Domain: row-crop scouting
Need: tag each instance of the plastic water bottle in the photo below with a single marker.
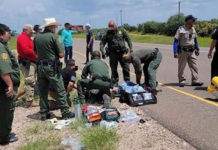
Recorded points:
(77, 109)
(107, 100)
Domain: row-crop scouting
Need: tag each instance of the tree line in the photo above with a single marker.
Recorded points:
(204, 28)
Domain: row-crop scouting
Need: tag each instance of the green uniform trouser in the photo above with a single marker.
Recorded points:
(150, 70)
(47, 77)
(7, 107)
(114, 59)
(103, 86)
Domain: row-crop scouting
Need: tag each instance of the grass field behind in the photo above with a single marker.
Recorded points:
(137, 37)
(155, 39)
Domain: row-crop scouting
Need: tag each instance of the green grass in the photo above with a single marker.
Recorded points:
(100, 138)
(80, 123)
(46, 143)
(38, 129)
(162, 39)
(154, 38)
(12, 43)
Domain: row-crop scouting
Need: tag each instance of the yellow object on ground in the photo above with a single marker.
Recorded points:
(215, 81)
(213, 90)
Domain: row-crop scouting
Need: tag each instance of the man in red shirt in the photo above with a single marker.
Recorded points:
(27, 60)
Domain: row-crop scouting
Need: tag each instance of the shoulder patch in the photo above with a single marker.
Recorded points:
(4, 56)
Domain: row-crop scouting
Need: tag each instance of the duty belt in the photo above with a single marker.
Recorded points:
(21, 61)
(103, 78)
(45, 62)
(188, 48)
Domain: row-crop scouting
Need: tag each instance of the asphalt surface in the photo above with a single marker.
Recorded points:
(190, 112)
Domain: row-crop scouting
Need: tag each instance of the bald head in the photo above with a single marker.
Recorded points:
(112, 25)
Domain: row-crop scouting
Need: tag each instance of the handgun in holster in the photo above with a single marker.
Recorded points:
(57, 66)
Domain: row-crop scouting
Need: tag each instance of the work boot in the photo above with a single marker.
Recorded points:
(28, 104)
(182, 83)
(45, 116)
(68, 116)
(12, 137)
(197, 83)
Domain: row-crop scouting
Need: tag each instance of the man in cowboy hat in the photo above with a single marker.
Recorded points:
(49, 50)
(151, 58)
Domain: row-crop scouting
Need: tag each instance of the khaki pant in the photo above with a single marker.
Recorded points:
(30, 81)
(183, 59)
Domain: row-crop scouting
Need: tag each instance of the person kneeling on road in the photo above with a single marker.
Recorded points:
(151, 58)
(69, 78)
(99, 77)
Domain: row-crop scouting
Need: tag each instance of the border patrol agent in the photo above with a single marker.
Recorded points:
(115, 39)
(9, 83)
(185, 44)
(151, 58)
(49, 50)
(98, 70)
(214, 44)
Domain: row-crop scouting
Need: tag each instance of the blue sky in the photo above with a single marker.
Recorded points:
(16, 13)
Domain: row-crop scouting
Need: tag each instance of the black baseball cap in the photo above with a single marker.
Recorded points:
(71, 62)
(36, 28)
(190, 17)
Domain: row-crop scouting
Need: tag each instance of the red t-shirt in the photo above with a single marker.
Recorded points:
(25, 47)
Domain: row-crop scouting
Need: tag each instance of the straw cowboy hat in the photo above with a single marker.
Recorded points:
(50, 22)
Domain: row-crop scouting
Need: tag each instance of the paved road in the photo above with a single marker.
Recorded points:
(189, 112)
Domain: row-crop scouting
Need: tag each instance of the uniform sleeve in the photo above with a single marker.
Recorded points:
(175, 46)
(103, 43)
(59, 45)
(137, 65)
(5, 63)
(85, 71)
(127, 39)
(215, 34)
(177, 34)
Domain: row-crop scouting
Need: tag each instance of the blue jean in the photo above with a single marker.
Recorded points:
(68, 53)
(89, 50)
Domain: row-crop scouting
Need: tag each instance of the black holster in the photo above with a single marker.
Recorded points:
(26, 63)
(57, 66)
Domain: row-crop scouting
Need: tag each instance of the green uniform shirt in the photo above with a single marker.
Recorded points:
(9, 64)
(95, 67)
(115, 40)
(141, 56)
(47, 46)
